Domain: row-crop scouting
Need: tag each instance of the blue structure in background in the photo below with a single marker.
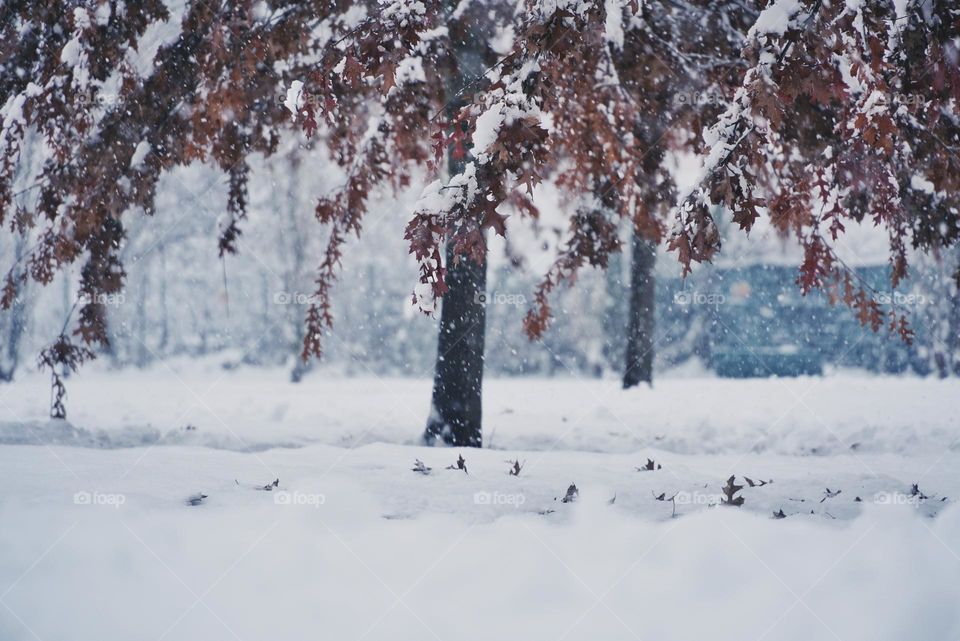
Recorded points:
(752, 321)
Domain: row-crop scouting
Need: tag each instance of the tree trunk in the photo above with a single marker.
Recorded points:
(15, 323)
(143, 358)
(293, 275)
(164, 312)
(953, 327)
(455, 410)
(614, 316)
(952, 352)
(640, 324)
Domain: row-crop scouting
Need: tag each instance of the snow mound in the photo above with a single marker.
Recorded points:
(354, 545)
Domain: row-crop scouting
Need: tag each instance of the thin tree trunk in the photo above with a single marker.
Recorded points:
(640, 324)
(614, 316)
(17, 319)
(141, 323)
(293, 275)
(953, 320)
(18, 316)
(164, 312)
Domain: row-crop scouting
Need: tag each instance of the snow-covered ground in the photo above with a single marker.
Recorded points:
(97, 540)
(252, 409)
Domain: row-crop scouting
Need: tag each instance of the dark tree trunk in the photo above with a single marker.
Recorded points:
(640, 324)
(455, 409)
